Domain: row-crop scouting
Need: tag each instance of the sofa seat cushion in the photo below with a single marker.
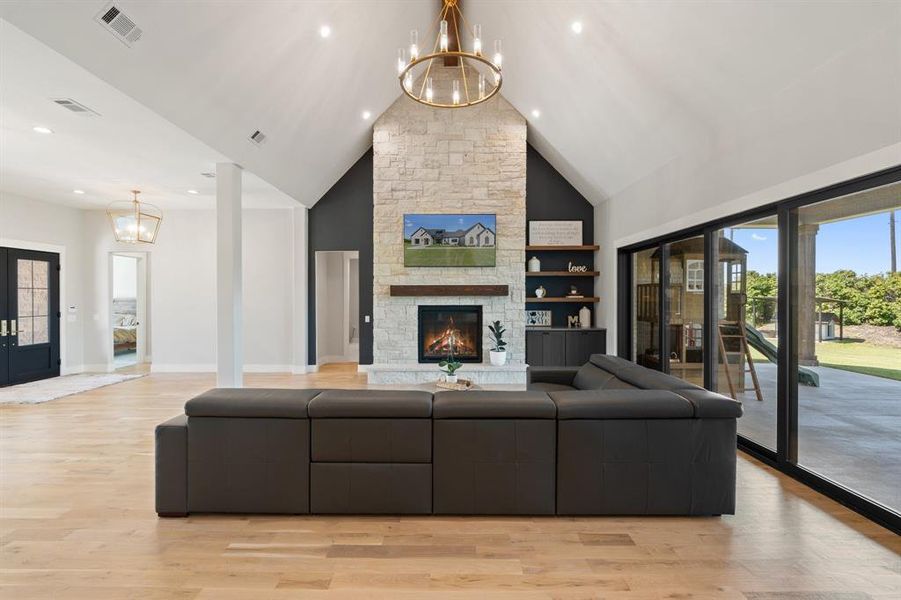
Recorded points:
(546, 386)
(251, 403)
(710, 405)
(621, 404)
(493, 405)
(387, 404)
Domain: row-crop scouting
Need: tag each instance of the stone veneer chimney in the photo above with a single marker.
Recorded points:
(429, 160)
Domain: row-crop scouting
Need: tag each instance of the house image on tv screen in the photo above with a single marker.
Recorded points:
(449, 240)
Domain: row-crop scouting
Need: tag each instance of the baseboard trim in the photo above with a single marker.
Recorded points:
(363, 368)
(211, 368)
(73, 370)
(102, 368)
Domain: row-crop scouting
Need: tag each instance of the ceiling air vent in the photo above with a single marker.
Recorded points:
(114, 20)
(76, 107)
(209, 175)
(258, 137)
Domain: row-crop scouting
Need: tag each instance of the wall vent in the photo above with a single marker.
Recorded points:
(209, 175)
(123, 28)
(258, 137)
(76, 107)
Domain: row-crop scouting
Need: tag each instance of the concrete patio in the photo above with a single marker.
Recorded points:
(849, 429)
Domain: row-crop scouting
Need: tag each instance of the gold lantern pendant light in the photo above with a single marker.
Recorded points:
(134, 222)
(476, 79)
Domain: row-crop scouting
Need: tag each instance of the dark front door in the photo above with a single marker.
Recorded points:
(29, 315)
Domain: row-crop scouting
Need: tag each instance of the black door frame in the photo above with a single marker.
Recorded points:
(785, 457)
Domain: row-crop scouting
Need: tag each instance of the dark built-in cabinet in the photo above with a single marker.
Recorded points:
(550, 347)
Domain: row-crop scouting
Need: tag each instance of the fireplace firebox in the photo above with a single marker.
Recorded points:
(444, 327)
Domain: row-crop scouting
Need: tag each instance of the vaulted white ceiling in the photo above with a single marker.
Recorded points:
(644, 83)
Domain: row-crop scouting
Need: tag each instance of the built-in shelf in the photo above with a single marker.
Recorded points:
(562, 273)
(585, 300)
(449, 290)
(562, 248)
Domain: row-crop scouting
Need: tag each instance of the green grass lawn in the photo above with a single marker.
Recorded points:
(861, 357)
(856, 356)
(448, 256)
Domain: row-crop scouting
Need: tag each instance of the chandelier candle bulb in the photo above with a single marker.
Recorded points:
(481, 86)
(456, 92)
(414, 45)
(498, 54)
(401, 60)
(443, 42)
(477, 40)
(429, 94)
(408, 81)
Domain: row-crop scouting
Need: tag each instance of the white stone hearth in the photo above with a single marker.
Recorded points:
(481, 374)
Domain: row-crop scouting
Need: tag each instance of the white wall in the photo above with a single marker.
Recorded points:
(125, 277)
(37, 224)
(330, 315)
(181, 279)
(838, 122)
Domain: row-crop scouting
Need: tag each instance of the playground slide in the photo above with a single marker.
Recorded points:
(765, 347)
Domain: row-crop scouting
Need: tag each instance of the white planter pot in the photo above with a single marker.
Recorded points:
(498, 359)
(450, 378)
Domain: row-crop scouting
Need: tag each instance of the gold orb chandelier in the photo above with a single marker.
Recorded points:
(134, 222)
(474, 78)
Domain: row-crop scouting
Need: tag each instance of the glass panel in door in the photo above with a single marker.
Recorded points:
(685, 314)
(849, 338)
(32, 295)
(745, 291)
(646, 308)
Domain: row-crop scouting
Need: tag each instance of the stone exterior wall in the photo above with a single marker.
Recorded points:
(427, 160)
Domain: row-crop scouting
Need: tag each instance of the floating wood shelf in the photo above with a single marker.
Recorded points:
(449, 290)
(562, 248)
(585, 300)
(562, 273)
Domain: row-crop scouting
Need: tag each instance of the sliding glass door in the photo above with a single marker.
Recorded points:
(795, 310)
(848, 294)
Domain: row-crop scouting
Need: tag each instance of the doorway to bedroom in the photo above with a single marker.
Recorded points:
(129, 315)
(337, 307)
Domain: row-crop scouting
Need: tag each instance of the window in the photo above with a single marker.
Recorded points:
(694, 276)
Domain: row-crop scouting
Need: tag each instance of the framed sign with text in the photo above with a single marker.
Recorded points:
(555, 233)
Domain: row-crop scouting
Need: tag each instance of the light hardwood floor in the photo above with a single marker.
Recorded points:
(77, 521)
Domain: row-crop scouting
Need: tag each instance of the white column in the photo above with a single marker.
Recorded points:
(229, 325)
(300, 290)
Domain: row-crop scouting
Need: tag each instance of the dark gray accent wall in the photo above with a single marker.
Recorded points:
(550, 197)
(342, 220)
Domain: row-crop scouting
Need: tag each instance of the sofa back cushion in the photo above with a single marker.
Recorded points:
(638, 376)
(253, 403)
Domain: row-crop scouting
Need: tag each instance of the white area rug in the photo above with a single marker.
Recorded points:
(57, 387)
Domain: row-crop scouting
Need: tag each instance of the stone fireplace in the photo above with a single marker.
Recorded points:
(439, 161)
(443, 329)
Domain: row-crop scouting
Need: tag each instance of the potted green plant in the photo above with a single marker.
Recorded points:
(498, 352)
(449, 365)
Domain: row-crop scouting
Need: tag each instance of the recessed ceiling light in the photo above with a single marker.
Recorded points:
(192, 191)
(576, 26)
(536, 113)
(42, 129)
(366, 115)
(325, 31)
(79, 192)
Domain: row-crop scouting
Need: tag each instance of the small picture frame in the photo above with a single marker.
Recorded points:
(538, 318)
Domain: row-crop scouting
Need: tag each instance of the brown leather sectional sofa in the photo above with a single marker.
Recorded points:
(609, 437)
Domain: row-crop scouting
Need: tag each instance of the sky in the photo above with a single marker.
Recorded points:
(450, 222)
(860, 244)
